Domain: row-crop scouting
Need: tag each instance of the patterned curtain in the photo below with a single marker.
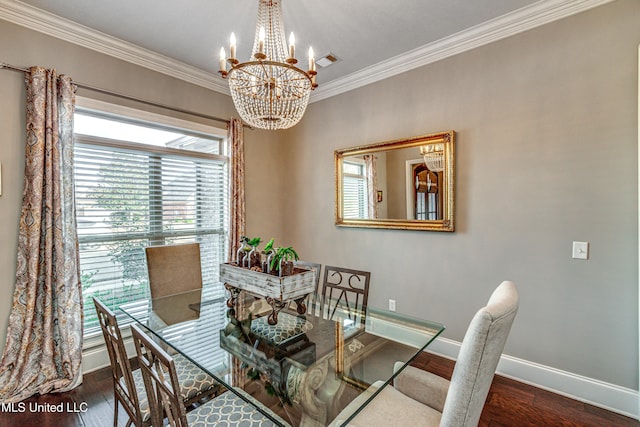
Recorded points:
(236, 143)
(43, 350)
(235, 138)
(372, 184)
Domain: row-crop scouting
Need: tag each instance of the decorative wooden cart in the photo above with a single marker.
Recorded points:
(277, 291)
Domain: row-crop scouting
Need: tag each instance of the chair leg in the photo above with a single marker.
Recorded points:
(115, 413)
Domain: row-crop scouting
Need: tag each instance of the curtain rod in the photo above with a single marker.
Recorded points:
(127, 97)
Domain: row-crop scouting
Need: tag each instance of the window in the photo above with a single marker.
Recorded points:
(140, 183)
(355, 193)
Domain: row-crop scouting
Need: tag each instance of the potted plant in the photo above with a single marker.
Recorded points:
(248, 256)
(281, 261)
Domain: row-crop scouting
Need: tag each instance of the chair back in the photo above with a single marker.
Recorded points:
(344, 289)
(160, 381)
(120, 366)
(173, 269)
(479, 354)
(312, 300)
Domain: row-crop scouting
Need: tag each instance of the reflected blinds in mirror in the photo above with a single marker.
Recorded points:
(355, 190)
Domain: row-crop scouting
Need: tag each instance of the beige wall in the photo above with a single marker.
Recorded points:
(547, 129)
(22, 47)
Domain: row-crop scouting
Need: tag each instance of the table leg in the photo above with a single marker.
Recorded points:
(319, 391)
(301, 307)
(231, 302)
(276, 306)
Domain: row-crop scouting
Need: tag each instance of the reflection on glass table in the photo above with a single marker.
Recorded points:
(306, 368)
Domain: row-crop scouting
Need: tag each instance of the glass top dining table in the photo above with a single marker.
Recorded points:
(306, 368)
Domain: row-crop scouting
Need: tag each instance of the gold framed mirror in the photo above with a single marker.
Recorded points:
(403, 184)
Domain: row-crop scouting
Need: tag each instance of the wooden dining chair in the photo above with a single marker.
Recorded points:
(173, 269)
(124, 385)
(346, 290)
(161, 383)
(128, 385)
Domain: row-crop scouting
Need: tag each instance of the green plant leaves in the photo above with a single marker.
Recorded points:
(284, 254)
(269, 245)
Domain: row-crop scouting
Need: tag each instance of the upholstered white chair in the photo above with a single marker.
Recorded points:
(422, 398)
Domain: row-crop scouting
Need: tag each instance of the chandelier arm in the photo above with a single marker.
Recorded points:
(264, 69)
(243, 70)
(301, 75)
(299, 79)
(243, 65)
(245, 75)
(290, 91)
(251, 90)
(288, 74)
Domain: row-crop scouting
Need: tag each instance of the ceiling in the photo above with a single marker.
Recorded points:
(373, 39)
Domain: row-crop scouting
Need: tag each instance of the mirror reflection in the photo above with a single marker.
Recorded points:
(404, 184)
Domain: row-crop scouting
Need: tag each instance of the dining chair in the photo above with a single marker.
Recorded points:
(346, 290)
(421, 398)
(161, 382)
(173, 269)
(128, 386)
(312, 300)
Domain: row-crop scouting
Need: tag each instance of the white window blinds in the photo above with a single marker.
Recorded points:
(355, 191)
(161, 189)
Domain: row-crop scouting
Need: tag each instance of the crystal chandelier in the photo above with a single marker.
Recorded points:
(269, 91)
(433, 156)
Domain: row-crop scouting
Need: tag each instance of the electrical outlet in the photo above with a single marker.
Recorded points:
(392, 305)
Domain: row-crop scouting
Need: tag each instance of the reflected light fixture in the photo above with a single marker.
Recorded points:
(269, 91)
(433, 156)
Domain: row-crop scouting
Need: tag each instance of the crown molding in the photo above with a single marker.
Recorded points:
(518, 21)
(526, 18)
(39, 20)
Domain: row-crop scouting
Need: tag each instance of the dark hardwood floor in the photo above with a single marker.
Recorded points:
(509, 404)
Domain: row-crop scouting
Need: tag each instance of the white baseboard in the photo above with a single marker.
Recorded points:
(94, 359)
(608, 396)
(95, 355)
